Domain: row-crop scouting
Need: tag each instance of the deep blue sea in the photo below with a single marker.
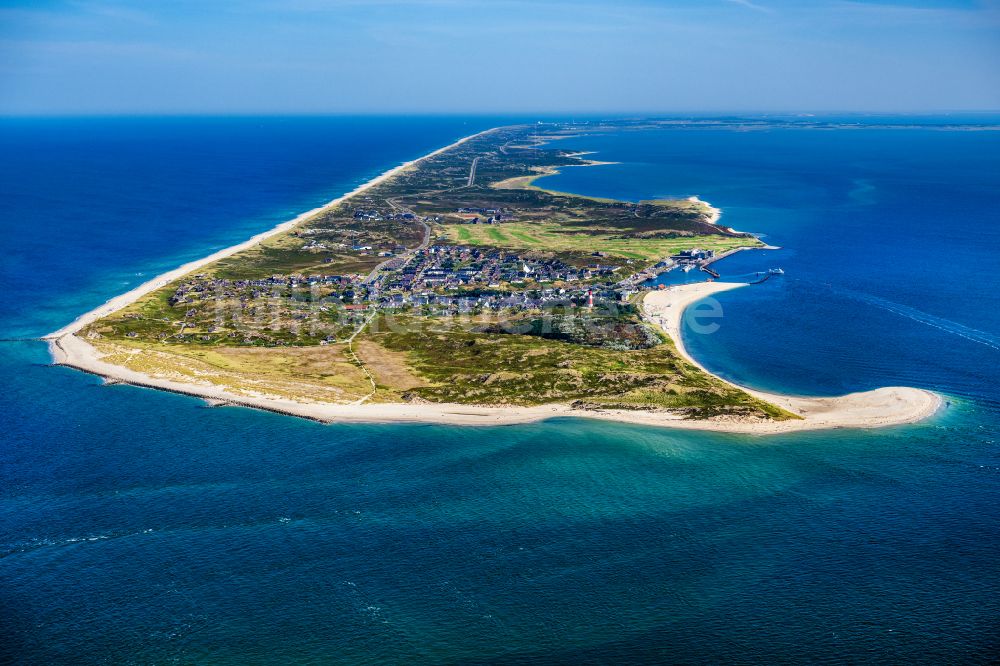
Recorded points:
(143, 527)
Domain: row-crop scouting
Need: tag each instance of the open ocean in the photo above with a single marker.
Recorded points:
(142, 527)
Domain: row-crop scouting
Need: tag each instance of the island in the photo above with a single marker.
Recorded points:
(456, 289)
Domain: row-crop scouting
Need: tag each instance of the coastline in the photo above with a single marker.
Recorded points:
(131, 296)
(528, 182)
(886, 406)
(881, 407)
(870, 409)
(714, 215)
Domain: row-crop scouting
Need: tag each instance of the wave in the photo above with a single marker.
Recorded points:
(940, 323)
(35, 544)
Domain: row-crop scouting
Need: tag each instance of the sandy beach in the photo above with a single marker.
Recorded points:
(129, 297)
(881, 407)
(891, 405)
(715, 214)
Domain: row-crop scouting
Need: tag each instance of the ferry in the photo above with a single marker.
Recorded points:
(687, 267)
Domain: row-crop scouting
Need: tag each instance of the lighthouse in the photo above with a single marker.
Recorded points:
(590, 298)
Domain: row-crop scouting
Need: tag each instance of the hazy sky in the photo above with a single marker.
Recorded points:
(398, 56)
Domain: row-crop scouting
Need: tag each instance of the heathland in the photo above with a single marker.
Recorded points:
(450, 280)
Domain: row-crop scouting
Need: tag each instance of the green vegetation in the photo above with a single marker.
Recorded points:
(556, 237)
(621, 329)
(311, 374)
(490, 368)
(274, 319)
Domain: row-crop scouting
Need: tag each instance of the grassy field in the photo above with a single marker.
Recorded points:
(219, 322)
(442, 360)
(272, 339)
(320, 374)
(458, 365)
(551, 236)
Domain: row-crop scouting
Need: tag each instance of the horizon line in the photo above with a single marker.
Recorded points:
(589, 114)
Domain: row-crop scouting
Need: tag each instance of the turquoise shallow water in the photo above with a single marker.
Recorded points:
(142, 527)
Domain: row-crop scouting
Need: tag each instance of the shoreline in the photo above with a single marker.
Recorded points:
(715, 214)
(881, 407)
(131, 296)
(878, 408)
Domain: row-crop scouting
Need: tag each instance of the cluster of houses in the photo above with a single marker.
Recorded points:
(375, 214)
(491, 279)
(693, 255)
(200, 286)
(318, 246)
(458, 266)
(485, 215)
(533, 299)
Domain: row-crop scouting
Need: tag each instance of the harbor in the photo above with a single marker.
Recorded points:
(696, 265)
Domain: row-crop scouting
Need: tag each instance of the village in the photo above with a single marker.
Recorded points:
(442, 279)
(408, 248)
(438, 279)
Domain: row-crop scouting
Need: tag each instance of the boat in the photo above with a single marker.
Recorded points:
(776, 271)
(687, 267)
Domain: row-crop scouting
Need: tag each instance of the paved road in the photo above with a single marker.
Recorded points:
(402, 257)
(472, 173)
